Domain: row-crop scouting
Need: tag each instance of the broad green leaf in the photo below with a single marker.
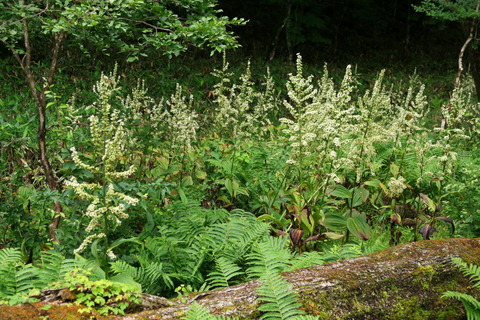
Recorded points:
(118, 242)
(128, 280)
(335, 222)
(359, 227)
(340, 191)
(333, 235)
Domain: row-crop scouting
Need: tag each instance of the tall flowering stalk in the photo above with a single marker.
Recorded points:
(241, 110)
(107, 207)
(180, 121)
(368, 130)
(241, 114)
(300, 129)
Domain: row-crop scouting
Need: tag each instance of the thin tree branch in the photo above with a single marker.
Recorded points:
(460, 61)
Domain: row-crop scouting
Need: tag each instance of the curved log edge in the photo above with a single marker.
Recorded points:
(402, 282)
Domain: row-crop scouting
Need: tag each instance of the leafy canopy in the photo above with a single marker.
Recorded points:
(133, 26)
(456, 10)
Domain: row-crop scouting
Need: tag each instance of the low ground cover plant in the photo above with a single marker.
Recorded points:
(179, 194)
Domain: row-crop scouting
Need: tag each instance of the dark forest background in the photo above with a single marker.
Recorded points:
(386, 31)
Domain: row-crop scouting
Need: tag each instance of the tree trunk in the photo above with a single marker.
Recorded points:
(283, 26)
(475, 65)
(41, 103)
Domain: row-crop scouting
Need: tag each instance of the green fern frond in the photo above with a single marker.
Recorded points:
(9, 256)
(465, 298)
(470, 270)
(472, 305)
(229, 232)
(279, 301)
(256, 232)
(120, 266)
(153, 271)
(269, 256)
(224, 271)
(198, 312)
(8, 283)
(67, 266)
(27, 278)
(190, 227)
(50, 268)
(10, 259)
(306, 259)
(93, 266)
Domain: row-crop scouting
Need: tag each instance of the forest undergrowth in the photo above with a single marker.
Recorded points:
(237, 176)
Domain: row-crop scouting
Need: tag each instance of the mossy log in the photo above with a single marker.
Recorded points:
(403, 282)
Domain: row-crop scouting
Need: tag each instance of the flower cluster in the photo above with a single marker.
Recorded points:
(107, 207)
(300, 128)
(397, 185)
(181, 120)
(240, 109)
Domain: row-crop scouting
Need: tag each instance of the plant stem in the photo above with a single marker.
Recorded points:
(104, 199)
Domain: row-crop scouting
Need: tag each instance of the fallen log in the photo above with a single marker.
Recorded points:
(403, 282)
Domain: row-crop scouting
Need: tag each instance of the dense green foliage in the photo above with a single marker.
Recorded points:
(133, 26)
(197, 174)
(180, 201)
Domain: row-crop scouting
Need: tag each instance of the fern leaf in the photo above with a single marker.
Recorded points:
(50, 268)
(305, 260)
(122, 267)
(153, 271)
(10, 255)
(198, 312)
(472, 305)
(462, 297)
(256, 231)
(279, 301)
(470, 270)
(270, 256)
(10, 258)
(96, 272)
(224, 271)
(27, 279)
(68, 265)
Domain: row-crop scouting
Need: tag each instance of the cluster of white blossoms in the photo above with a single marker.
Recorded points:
(330, 131)
(300, 128)
(240, 109)
(107, 207)
(328, 127)
(181, 120)
(88, 240)
(138, 103)
(405, 118)
(397, 185)
(226, 116)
